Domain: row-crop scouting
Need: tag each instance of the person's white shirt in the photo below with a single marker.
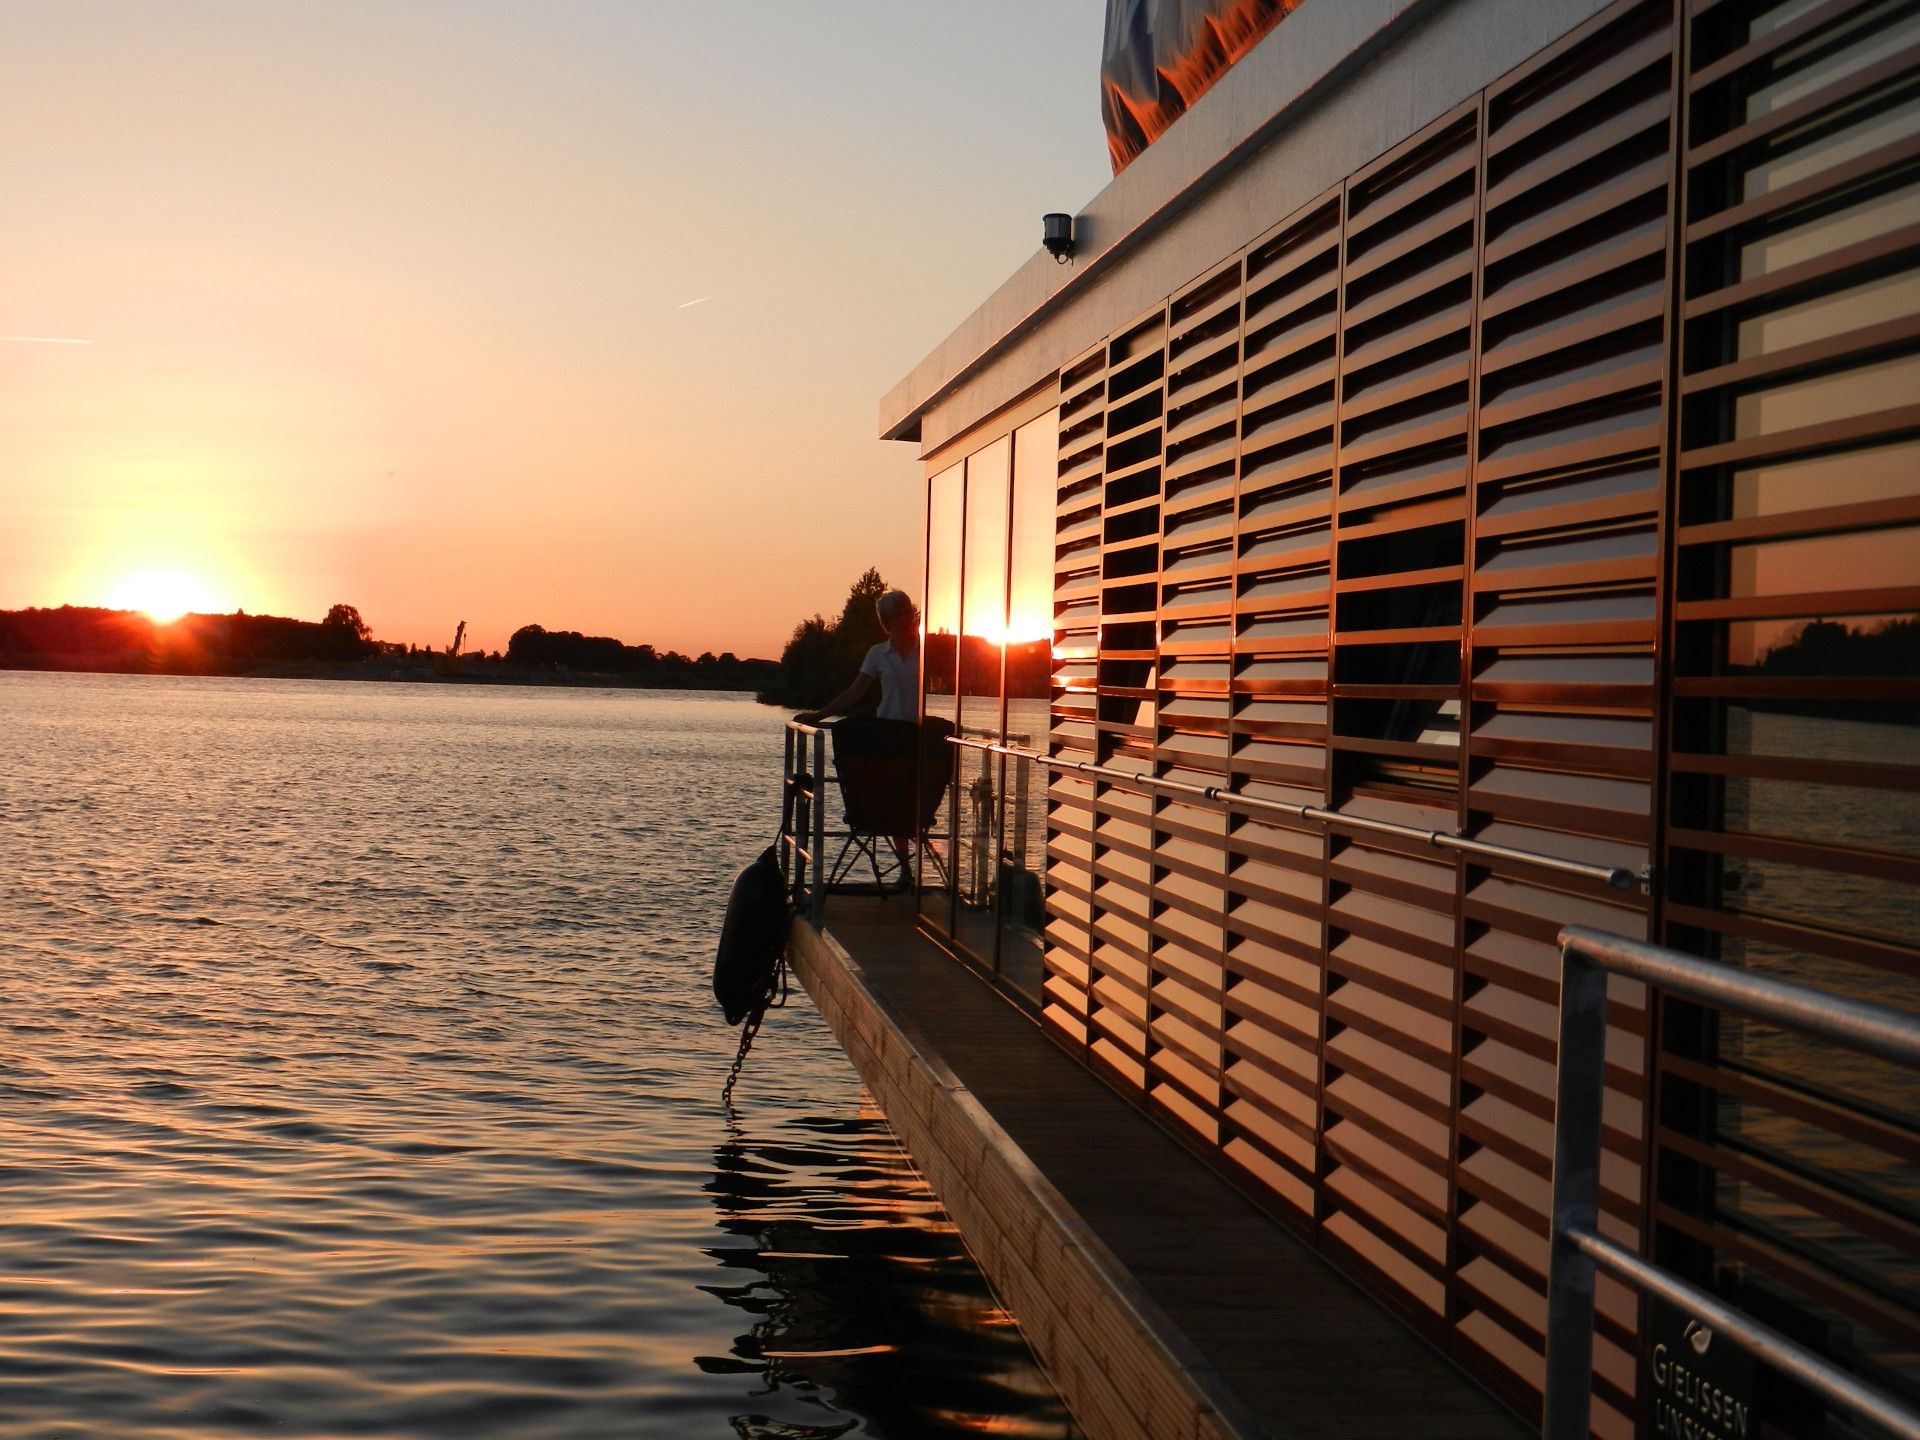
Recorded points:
(899, 677)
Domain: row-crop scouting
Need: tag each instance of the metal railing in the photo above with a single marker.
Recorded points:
(803, 819)
(1617, 877)
(1578, 1249)
(807, 784)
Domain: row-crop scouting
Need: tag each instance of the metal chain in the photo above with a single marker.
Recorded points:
(749, 1028)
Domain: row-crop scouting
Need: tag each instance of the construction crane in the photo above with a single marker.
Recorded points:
(449, 663)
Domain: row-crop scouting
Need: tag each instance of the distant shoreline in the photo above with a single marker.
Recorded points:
(90, 640)
(360, 672)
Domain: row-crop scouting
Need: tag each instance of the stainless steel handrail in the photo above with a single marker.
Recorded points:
(803, 807)
(1578, 1247)
(1617, 877)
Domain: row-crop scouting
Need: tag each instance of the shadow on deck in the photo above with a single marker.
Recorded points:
(1160, 1300)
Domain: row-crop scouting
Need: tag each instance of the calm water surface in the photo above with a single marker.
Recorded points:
(359, 1076)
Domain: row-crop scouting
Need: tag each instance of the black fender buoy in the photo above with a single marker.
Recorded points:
(752, 939)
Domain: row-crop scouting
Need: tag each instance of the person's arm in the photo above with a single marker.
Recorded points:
(841, 703)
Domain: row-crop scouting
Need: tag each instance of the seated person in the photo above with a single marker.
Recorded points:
(894, 662)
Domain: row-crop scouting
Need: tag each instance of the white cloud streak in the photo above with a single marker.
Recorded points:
(42, 340)
(688, 305)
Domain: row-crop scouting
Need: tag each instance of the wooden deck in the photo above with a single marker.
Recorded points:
(1203, 1283)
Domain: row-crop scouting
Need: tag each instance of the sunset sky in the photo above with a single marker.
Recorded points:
(558, 312)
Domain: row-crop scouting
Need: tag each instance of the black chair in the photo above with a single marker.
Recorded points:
(893, 775)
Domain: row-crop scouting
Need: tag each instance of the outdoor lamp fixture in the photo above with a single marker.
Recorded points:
(1056, 232)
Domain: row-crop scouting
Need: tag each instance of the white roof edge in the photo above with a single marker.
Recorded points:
(1314, 46)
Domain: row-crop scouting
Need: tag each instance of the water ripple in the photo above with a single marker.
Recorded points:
(358, 1076)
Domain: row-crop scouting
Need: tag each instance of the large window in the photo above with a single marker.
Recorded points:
(939, 651)
(988, 623)
(1795, 789)
(983, 602)
(1029, 659)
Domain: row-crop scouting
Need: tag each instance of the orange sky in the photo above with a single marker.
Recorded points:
(567, 313)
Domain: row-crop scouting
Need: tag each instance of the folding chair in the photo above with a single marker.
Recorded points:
(893, 776)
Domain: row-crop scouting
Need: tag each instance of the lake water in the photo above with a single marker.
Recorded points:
(359, 1076)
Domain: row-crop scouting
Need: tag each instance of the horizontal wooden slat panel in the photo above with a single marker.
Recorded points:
(1497, 491)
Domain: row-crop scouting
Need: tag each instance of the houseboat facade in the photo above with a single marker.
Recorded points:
(1465, 482)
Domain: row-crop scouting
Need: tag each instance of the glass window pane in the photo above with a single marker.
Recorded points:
(1030, 584)
(1023, 835)
(1886, 472)
(1824, 316)
(984, 604)
(939, 647)
(1859, 391)
(942, 614)
(1793, 802)
(985, 591)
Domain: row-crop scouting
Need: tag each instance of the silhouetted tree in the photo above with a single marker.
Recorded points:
(822, 656)
(347, 618)
(1826, 648)
(346, 636)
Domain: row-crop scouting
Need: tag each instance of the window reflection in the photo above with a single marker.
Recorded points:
(985, 590)
(983, 600)
(1825, 233)
(1795, 779)
(945, 498)
(1029, 636)
(989, 615)
(1887, 472)
(1860, 391)
(941, 616)
(1880, 646)
(1826, 316)
(1823, 564)
(1872, 121)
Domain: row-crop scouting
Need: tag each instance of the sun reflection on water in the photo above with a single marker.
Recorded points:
(363, 1079)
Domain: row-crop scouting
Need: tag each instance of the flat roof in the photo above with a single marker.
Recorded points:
(1298, 55)
(1333, 86)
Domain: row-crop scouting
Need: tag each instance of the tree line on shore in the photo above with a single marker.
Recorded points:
(570, 651)
(823, 655)
(91, 638)
(819, 659)
(86, 637)
(1827, 649)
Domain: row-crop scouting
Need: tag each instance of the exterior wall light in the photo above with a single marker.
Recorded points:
(1056, 232)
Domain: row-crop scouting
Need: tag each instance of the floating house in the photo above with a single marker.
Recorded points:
(1460, 480)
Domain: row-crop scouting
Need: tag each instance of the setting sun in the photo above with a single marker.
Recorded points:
(1018, 631)
(164, 595)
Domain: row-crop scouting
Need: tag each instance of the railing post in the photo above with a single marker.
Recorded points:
(786, 807)
(802, 840)
(1579, 1084)
(979, 883)
(818, 908)
(1022, 797)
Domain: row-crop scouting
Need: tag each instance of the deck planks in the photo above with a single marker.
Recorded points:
(1295, 1343)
